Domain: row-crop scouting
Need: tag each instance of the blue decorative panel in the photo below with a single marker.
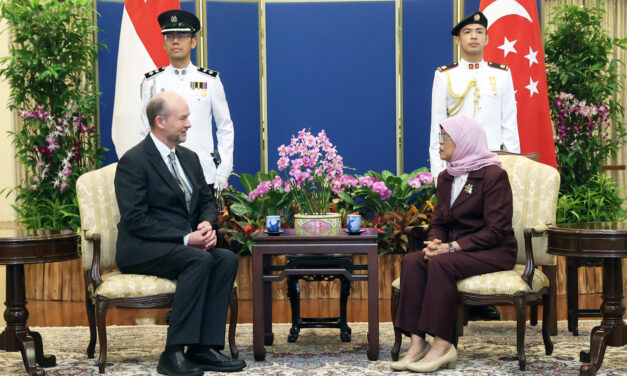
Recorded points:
(233, 50)
(109, 23)
(427, 44)
(331, 67)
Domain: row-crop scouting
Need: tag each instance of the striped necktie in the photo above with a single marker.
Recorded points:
(177, 175)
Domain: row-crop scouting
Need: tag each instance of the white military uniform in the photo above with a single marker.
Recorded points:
(203, 91)
(481, 90)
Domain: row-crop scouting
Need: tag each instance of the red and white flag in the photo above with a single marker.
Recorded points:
(140, 51)
(515, 40)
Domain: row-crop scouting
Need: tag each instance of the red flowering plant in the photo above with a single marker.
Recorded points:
(246, 214)
(55, 151)
(387, 202)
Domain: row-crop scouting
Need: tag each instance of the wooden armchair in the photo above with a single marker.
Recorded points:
(99, 218)
(535, 189)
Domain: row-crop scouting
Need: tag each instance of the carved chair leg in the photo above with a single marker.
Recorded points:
(520, 303)
(101, 321)
(91, 317)
(398, 337)
(233, 305)
(546, 323)
(533, 314)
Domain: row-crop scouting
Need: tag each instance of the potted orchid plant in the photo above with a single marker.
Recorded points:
(311, 162)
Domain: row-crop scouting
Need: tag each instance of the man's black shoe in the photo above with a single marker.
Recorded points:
(174, 363)
(213, 360)
(488, 312)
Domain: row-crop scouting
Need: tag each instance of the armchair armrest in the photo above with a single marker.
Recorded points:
(95, 275)
(530, 267)
(415, 234)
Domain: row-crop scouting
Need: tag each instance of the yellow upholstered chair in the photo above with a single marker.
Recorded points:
(535, 189)
(99, 218)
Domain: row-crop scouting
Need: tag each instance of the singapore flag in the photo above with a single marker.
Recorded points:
(140, 51)
(515, 40)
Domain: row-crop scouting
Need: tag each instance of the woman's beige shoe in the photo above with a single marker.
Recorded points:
(402, 364)
(449, 360)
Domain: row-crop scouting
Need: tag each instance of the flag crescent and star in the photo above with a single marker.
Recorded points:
(515, 40)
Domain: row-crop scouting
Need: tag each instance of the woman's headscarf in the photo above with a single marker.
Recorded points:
(471, 146)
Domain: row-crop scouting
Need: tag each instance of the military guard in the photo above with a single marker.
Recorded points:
(476, 88)
(202, 90)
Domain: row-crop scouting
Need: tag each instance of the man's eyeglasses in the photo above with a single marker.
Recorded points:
(444, 137)
(172, 36)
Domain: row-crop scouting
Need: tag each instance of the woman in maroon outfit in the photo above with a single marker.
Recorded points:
(471, 233)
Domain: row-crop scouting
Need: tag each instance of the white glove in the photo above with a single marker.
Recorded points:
(220, 183)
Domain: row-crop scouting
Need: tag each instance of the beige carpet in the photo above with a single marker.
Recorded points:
(487, 348)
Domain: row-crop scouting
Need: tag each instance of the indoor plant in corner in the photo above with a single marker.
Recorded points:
(52, 78)
(311, 163)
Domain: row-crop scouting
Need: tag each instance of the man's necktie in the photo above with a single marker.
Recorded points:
(177, 175)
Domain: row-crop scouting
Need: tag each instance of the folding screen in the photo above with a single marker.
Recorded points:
(427, 44)
(233, 50)
(331, 67)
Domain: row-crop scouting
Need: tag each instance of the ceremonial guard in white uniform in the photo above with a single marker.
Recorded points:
(476, 88)
(202, 90)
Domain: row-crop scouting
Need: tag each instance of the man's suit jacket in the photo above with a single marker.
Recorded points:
(480, 219)
(154, 216)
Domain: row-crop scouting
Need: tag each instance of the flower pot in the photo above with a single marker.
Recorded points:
(317, 224)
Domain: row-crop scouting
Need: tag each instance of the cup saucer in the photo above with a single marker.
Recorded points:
(273, 233)
(354, 232)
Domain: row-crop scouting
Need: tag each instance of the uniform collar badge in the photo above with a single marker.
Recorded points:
(468, 189)
(473, 66)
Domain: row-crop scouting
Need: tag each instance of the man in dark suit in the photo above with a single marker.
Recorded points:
(166, 229)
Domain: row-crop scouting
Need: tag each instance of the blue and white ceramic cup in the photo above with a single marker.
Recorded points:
(353, 222)
(273, 223)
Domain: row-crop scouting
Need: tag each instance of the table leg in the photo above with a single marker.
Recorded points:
(28, 348)
(17, 336)
(572, 297)
(373, 304)
(612, 330)
(258, 307)
(268, 336)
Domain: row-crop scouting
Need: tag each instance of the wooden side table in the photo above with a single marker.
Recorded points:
(288, 243)
(607, 241)
(19, 247)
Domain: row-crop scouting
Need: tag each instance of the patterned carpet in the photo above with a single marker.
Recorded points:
(486, 348)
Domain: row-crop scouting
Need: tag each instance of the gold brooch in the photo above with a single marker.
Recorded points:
(468, 188)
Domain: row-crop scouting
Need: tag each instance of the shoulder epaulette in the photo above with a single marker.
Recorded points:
(498, 66)
(154, 72)
(210, 72)
(447, 67)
